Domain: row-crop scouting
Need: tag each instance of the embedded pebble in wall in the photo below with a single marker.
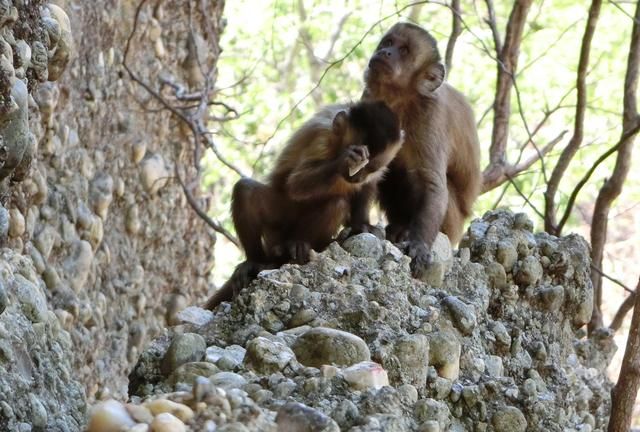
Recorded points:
(77, 265)
(118, 187)
(39, 60)
(32, 300)
(22, 170)
(95, 232)
(53, 31)
(64, 47)
(101, 194)
(22, 58)
(138, 150)
(45, 240)
(154, 173)
(4, 224)
(444, 354)
(14, 130)
(46, 97)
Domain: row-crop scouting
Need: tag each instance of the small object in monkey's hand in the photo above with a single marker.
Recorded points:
(353, 170)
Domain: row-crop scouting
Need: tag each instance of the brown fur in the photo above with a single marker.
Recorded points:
(435, 178)
(310, 193)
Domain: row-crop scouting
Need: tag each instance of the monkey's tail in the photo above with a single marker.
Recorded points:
(241, 277)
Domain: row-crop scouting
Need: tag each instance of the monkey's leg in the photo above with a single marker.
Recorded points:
(241, 277)
(253, 205)
(453, 223)
(359, 214)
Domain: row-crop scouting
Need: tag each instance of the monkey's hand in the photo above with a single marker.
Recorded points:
(353, 159)
(420, 258)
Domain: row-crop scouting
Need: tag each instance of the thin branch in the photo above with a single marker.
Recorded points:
(611, 278)
(617, 6)
(335, 36)
(510, 171)
(456, 29)
(526, 199)
(203, 215)
(575, 142)
(583, 181)
(622, 311)
(528, 130)
(491, 21)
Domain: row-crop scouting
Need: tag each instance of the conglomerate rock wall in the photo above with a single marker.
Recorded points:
(98, 246)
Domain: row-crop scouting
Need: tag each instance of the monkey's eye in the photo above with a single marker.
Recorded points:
(404, 50)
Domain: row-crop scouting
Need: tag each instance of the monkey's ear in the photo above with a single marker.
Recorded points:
(340, 122)
(433, 79)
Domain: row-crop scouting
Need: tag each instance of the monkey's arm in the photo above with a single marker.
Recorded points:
(431, 207)
(313, 180)
(325, 177)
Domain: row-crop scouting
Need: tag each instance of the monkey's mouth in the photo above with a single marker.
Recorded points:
(378, 65)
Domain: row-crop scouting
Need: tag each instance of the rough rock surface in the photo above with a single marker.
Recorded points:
(497, 347)
(92, 232)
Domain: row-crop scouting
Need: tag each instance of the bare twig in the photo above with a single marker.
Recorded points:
(203, 215)
(550, 221)
(613, 186)
(526, 199)
(622, 311)
(456, 29)
(510, 171)
(583, 181)
(491, 21)
(611, 278)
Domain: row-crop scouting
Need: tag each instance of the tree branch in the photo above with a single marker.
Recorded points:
(507, 66)
(623, 395)
(575, 142)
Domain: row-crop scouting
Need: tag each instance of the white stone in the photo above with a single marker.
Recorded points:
(365, 375)
(109, 416)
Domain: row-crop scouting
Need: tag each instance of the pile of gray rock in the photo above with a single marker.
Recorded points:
(351, 342)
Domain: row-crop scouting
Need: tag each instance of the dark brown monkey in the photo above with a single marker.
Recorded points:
(433, 182)
(324, 178)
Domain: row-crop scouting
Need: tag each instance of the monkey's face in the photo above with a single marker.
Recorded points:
(406, 58)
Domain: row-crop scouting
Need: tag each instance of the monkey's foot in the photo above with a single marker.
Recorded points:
(396, 233)
(299, 251)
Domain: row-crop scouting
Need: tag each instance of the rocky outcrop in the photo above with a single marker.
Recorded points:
(498, 346)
